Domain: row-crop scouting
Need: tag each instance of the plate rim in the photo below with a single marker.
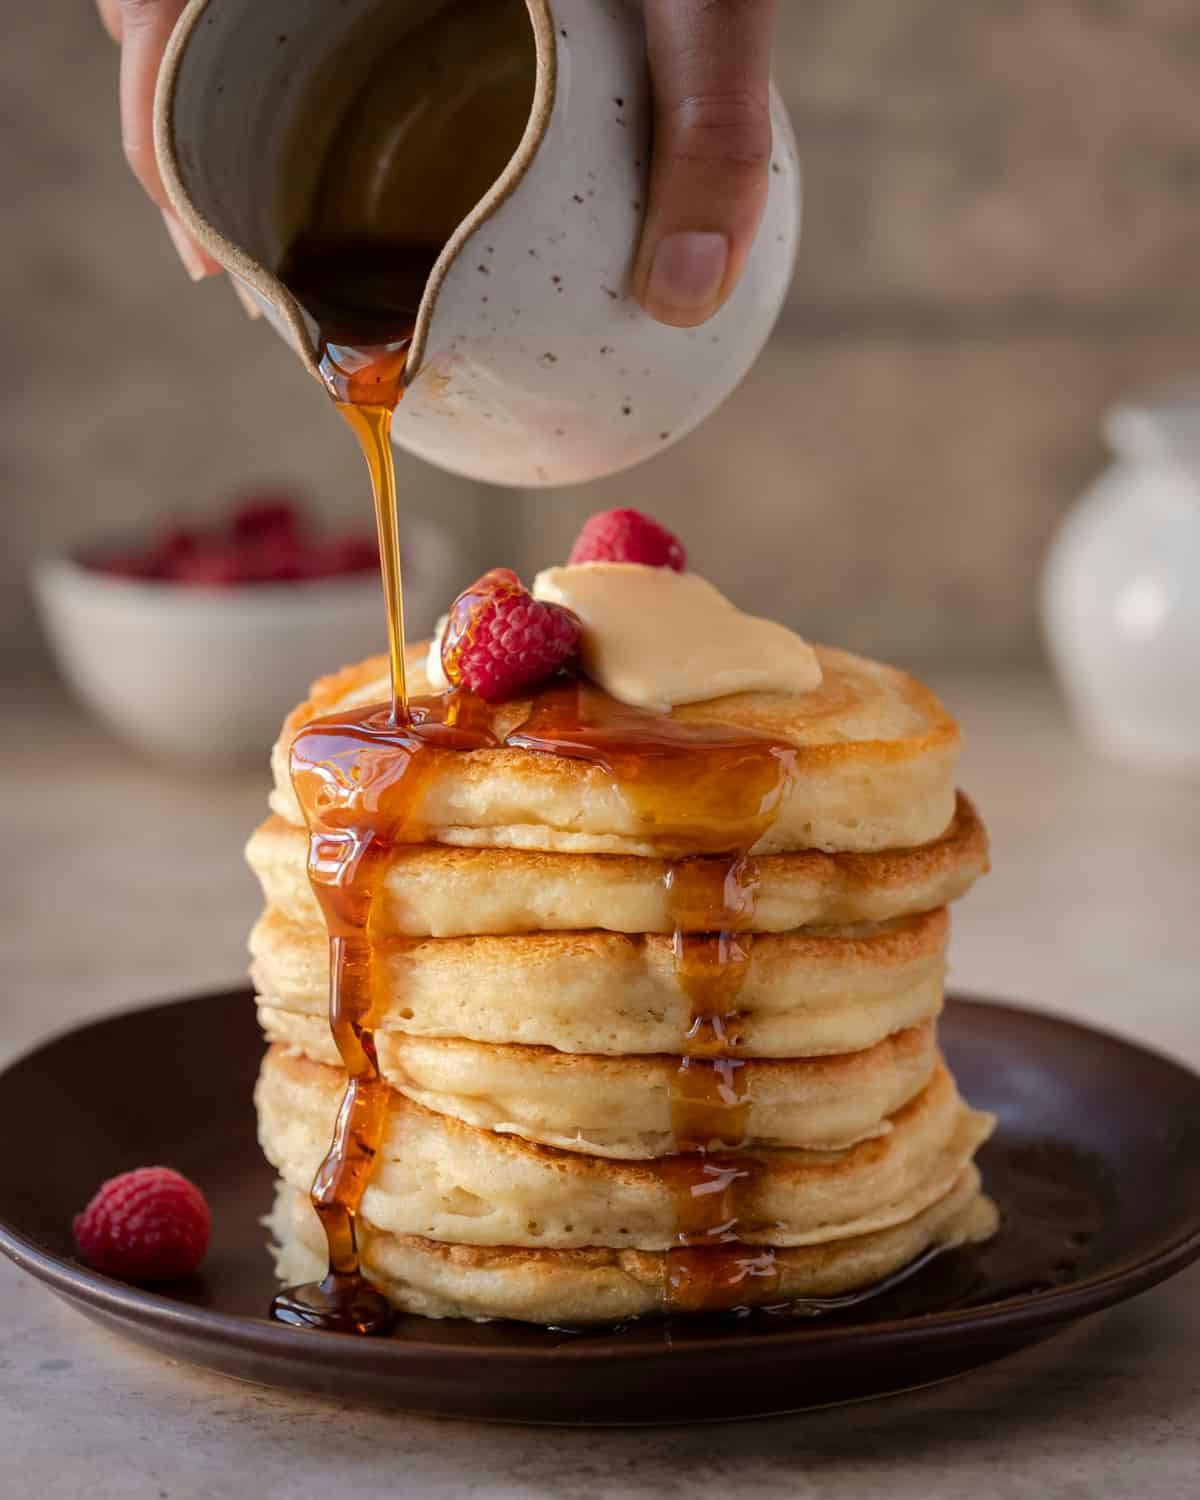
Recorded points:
(126, 1303)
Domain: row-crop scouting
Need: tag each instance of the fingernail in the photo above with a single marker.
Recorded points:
(193, 258)
(688, 271)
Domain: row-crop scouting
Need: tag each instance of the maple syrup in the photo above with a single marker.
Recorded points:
(710, 903)
(703, 788)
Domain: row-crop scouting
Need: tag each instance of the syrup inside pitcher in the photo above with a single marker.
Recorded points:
(416, 143)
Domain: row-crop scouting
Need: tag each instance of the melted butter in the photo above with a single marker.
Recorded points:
(657, 639)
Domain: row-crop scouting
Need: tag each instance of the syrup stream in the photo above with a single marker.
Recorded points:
(372, 426)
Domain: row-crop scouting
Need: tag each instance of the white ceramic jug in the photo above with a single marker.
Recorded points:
(531, 365)
(1121, 597)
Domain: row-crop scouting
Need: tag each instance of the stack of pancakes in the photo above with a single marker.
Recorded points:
(546, 1157)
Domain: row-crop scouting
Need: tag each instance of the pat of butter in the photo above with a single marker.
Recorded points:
(657, 639)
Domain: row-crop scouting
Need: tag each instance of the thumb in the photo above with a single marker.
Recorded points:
(710, 63)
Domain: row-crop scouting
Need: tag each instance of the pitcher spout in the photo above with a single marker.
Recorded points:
(388, 136)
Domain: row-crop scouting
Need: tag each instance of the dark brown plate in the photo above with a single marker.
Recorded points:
(1096, 1166)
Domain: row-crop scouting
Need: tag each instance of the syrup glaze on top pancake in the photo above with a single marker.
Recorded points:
(874, 751)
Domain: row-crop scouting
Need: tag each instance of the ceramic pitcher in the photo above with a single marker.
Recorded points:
(531, 364)
(1121, 591)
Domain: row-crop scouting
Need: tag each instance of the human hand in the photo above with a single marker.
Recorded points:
(141, 28)
(710, 64)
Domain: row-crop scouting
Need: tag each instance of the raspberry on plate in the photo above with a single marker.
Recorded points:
(500, 639)
(150, 1224)
(628, 536)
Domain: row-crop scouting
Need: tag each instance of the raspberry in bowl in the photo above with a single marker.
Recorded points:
(190, 643)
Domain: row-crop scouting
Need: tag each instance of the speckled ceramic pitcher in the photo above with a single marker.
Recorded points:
(531, 364)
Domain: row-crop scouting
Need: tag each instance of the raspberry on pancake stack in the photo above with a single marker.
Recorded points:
(654, 951)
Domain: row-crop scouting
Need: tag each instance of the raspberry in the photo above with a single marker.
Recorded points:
(265, 513)
(265, 541)
(628, 536)
(212, 566)
(147, 1225)
(174, 542)
(501, 639)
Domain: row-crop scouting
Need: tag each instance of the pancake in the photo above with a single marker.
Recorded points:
(875, 755)
(431, 891)
(622, 1106)
(441, 1179)
(568, 1287)
(803, 994)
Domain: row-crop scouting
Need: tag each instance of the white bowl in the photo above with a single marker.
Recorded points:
(206, 676)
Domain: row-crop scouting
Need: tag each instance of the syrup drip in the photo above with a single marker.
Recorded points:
(710, 902)
(359, 779)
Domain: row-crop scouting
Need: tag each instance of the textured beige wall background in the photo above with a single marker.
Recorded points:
(1003, 235)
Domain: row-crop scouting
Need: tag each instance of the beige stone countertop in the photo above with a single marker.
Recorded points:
(124, 884)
